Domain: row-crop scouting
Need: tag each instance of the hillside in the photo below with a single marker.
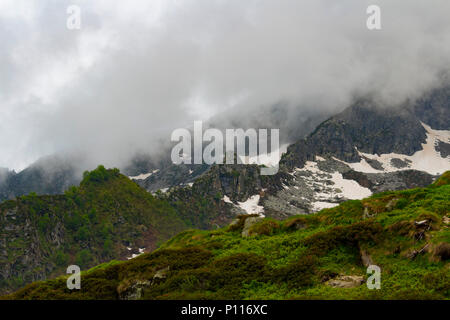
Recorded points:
(318, 256)
(107, 217)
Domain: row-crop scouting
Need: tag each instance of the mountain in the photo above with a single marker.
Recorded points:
(318, 256)
(362, 150)
(162, 174)
(359, 133)
(365, 149)
(107, 217)
(49, 175)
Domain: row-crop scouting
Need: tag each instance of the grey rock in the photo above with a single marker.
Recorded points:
(346, 281)
(399, 163)
(443, 148)
(249, 222)
(161, 273)
(365, 258)
(135, 290)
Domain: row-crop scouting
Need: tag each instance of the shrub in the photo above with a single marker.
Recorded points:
(83, 258)
(238, 225)
(297, 274)
(44, 223)
(61, 258)
(265, 227)
(296, 223)
(321, 242)
(401, 203)
(438, 281)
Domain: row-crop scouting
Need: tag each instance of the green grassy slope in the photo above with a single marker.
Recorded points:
(406, 233)
(93, 223)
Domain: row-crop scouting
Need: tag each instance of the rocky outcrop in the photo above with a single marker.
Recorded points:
(364, 127)
(365, 258)
(443, 148)
(161, 273)
(132, 290)
(248, 224)
(344, 281)
(398, 180)
(434, 108)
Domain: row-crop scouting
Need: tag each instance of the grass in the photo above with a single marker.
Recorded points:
(291, 259)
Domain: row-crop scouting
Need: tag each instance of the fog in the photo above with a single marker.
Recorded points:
(136, 70)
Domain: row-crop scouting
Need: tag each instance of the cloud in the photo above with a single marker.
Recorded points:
(138, 69)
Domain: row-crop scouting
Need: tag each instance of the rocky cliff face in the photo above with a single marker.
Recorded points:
(366, 149)
(361, 127)
(207, 203)
(362, 150)
(433, 109)
(25, 251)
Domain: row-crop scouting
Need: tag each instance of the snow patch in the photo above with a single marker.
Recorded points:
(427, 159)
(328, 195)
(350, 188)
(251, 205)
(310, 166)
(134, 255)
(143, 176)
(319, 205)
(269, 159)
(227, 199)
(319, 158)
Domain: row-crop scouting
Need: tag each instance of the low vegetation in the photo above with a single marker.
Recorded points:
(405, 233)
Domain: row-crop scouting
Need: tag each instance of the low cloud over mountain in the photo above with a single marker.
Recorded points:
(136, 70)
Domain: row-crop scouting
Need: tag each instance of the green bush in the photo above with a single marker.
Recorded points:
(44, 223)
(83, 258)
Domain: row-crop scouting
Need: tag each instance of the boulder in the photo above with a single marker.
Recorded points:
(346, 282)
(249, 222)
(296, 224)
(365, 258)
(161, 273)
(132, 290)
(446, 220)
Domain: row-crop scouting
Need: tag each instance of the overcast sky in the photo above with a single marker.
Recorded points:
(138, 69)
